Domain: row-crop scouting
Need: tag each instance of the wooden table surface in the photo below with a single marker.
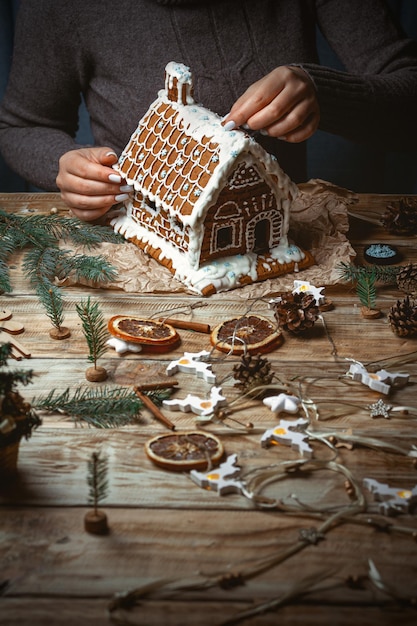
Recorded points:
(319, 556)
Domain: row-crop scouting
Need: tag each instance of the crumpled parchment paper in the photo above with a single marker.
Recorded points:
(319, 223)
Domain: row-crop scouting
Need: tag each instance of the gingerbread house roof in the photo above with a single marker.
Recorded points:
(180, 155)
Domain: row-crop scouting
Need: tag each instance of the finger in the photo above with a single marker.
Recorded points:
(90, 216)
(108, 157)
(247, 106)
(293, 132)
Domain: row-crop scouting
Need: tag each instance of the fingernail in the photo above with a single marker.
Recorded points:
(264, 132)
(283, 138)
(121, 197)
(111, 153)
(231, 125)
(115, 178)
(246, 126)
(126, 188)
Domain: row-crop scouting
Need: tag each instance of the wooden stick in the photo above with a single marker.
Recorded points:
(187, 325)
(154, 409)
(164, 384)
(5, 338)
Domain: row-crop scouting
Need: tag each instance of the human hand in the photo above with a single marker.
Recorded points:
(88, 184)
(282, 104)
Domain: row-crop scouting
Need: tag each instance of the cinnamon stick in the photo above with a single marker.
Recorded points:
(199, 327)
(163, 384)
(154, 409)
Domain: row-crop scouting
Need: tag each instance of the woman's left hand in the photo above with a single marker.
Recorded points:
(282, 104)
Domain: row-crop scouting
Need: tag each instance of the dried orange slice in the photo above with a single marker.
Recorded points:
(152, 335)
(250, 334)
(185, 451)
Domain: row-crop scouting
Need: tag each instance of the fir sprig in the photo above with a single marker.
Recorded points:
(5, 284)
(366, 278)
(97, 479)
(44, 233)
(95, 269)
(50, 297)
(94, 328)
(101, 408)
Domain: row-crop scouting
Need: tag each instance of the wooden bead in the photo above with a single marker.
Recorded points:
(96, 374)
(96, 523)
(60, 333)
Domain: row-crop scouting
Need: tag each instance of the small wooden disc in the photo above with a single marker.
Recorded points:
(5, 314)
(96, 374)
(96, 523)
(327, 305)
(60, 333)
(370, 314)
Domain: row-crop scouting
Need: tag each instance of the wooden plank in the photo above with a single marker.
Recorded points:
(40, 611)
(49, 553)
(53, 470)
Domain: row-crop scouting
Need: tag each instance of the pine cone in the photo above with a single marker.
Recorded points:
(403, 317)
(407, 279)
(400, 217)
(251, 372)
(296, 312)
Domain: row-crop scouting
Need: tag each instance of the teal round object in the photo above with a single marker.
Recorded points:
(382, 254)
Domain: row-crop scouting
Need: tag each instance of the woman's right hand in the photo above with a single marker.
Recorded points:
(88, 184)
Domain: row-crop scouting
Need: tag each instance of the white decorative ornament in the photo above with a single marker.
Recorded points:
(282, 403)
(199, 406)
(289, 433)
(123, 346)
(305, 286)
(381, 381)
(221, 479)
(193, 363)
(392, 500)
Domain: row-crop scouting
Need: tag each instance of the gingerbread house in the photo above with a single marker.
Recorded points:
(208, 203)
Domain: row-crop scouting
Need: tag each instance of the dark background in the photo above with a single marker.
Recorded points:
(329, 157)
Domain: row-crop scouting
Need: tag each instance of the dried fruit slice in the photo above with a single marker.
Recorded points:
(250, 334)
(185, 451)
(152, 335)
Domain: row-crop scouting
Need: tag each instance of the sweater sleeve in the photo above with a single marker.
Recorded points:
(375, 98)
(39, 113)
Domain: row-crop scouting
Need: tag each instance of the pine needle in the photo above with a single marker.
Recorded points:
(42, 234)
(97, 479)
(102, 408)
(94, 328)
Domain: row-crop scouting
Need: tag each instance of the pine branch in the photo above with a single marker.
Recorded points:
(96, 269)
(88, 236)
(44, 233)
(5, 284)
(94, 328)
(352, 273)
(50, 297)
(97, 479)
(101, 408)
(40, 264)
(366, 291)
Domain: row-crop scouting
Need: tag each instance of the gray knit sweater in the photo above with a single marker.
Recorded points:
(114, 53)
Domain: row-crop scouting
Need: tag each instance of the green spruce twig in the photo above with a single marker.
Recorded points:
(45, 261)
(95, 521)
(96, 335)
(366, 279)
(101, 408)
(97, 479)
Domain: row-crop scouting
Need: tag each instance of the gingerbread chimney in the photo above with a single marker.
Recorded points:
(179, 83)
